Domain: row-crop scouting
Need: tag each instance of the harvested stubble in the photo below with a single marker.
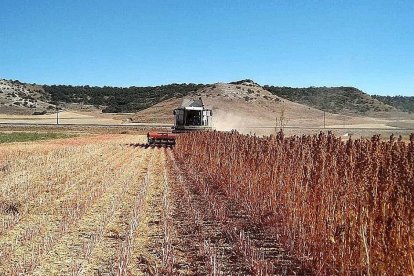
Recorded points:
(71, 206)
(152, 252)
(341, 207)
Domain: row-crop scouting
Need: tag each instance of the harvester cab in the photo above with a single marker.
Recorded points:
(190, 116)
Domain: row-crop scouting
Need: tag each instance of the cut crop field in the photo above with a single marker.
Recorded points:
(216, 204)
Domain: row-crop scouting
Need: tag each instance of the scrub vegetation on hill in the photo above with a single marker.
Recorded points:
(332, 99)
(400, 102)
(117, 99)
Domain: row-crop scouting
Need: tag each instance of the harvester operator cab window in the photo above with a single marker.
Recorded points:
(193, 118)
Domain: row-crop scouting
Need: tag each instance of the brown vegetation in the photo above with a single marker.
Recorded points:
(338, 207)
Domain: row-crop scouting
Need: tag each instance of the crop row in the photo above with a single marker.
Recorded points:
(340, 207)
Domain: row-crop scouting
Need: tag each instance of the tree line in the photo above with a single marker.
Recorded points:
(403, 103)
(118, 99)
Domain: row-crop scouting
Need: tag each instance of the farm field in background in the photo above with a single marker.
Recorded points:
(65, 117)
(10, 137)
(218, 203)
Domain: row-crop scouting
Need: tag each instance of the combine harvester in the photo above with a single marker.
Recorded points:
(190, 116)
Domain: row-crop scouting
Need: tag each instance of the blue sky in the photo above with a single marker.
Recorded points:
(299, 43)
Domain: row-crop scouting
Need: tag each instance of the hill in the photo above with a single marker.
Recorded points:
(118, 99)
(21, 98)
(339, 100)
(247, 106)
(400, 102)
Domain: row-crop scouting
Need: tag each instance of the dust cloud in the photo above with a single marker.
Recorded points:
(226, 121)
